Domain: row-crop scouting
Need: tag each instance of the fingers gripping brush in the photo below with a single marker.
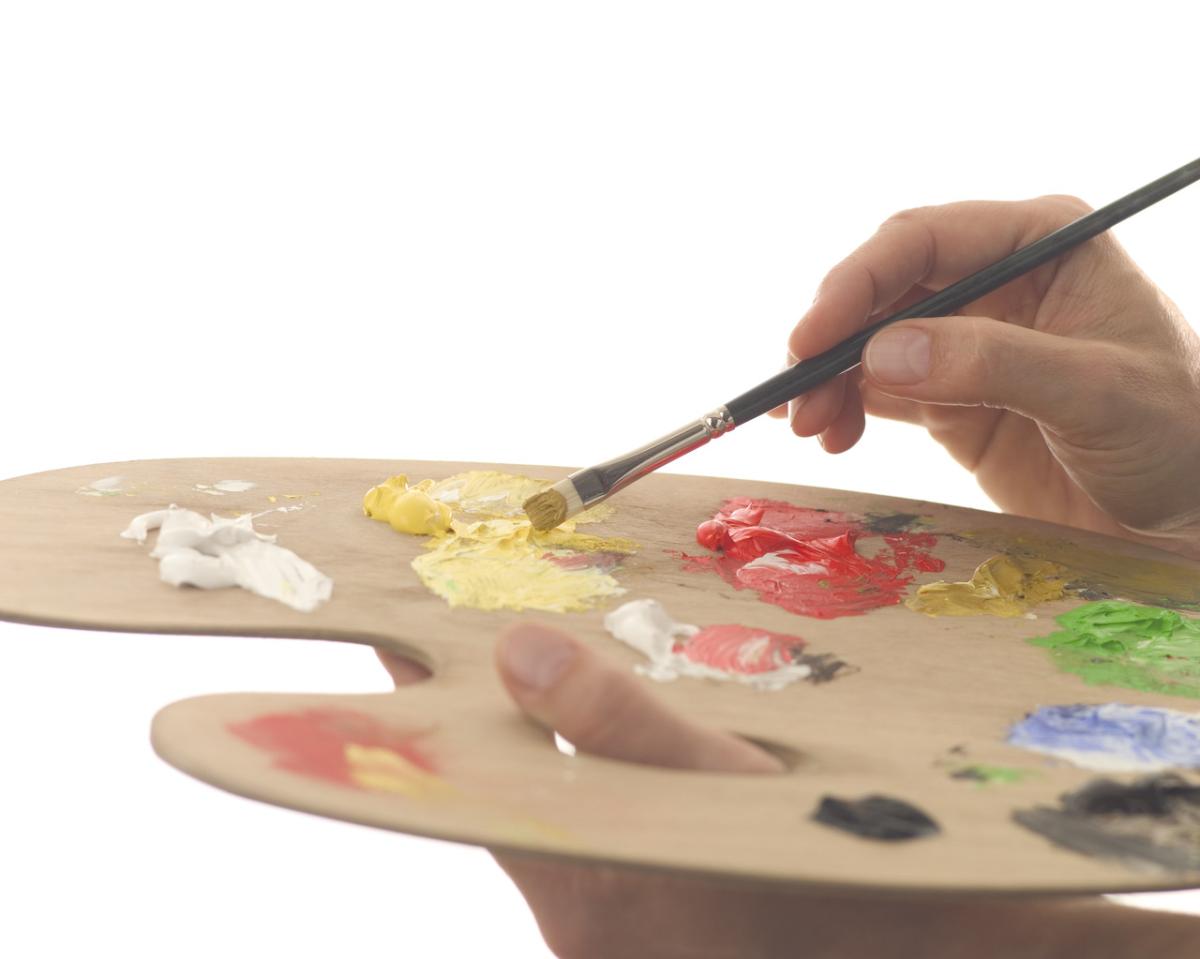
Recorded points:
(587, 487)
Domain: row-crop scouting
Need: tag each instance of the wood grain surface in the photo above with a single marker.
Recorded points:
(925, 686)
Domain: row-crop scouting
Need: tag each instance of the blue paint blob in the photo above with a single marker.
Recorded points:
(1112, 736)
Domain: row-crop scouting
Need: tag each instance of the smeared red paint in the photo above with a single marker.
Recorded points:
(740, 649)
(313, 742)
(830, 576)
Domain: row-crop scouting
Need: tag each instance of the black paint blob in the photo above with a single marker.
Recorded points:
(876, 817)
(891, 522)
(1153, 823)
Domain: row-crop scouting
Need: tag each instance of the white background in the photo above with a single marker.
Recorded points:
(523, 232)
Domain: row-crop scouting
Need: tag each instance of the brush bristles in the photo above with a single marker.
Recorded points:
(547, 509)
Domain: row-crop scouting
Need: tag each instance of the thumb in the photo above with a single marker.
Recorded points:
(605, 711)
(977, 361)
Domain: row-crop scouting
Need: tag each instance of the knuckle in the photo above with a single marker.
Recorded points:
(906, 217)
(965, 357)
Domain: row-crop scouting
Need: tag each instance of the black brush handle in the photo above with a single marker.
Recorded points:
(848, 354)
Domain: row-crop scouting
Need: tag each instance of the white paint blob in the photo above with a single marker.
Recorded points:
(217, 553)
(646, 625)
(108, 486)
(221, 487)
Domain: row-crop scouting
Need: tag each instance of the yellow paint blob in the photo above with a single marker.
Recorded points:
(482, 551)
(381, 770)
(1001, 586)
(407, 509)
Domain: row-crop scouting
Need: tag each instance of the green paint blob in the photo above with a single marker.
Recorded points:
(1122, 644)
(983, 775)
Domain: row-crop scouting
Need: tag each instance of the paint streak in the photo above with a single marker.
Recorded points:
(1103, 573)
(1152, 824)
(105, 486)
(729, 652)
(483, 553)
(1122, 644)
(807, 561)
(1112, 737)
(345, 747)
(985, 775)
(221, 487)
(876, 817)
(1003, 586)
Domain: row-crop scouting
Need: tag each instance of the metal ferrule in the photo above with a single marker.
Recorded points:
(602, 481)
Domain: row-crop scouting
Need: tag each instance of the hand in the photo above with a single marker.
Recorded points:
(600, 911)
(1072, 393)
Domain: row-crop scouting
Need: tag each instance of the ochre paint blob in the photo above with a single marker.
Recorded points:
(1001, 586)
(345, 747)
(1122, 644)
(483, 553)
(807, 560)
(756, 657)
(1103, 573)
(1152, 824)
(876, 817)
(1112, 737)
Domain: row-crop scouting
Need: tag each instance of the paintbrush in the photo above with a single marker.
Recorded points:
(587, 487)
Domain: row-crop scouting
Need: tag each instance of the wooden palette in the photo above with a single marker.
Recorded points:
(926, 686)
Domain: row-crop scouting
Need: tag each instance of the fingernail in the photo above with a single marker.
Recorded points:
(537, 657)
(900, 357)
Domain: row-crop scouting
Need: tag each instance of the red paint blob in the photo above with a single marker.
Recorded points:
(807, 560)
(313, 742)
(741, 650)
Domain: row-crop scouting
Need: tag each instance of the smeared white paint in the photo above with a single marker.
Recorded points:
(221, 487)
(108, 486)
(216, 553)
(234, 486)
(776, 561)
(646, 625)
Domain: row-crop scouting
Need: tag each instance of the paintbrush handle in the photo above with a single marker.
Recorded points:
(846, 355)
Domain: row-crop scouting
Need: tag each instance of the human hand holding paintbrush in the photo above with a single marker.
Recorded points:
(1072, 393)
(1016, 263)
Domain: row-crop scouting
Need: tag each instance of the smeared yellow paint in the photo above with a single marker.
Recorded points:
(1001, 586)
(482, 550)
(381, 770)
(1104, 572)
(536, 831)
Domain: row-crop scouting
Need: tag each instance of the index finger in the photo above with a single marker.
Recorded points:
(931, 247)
